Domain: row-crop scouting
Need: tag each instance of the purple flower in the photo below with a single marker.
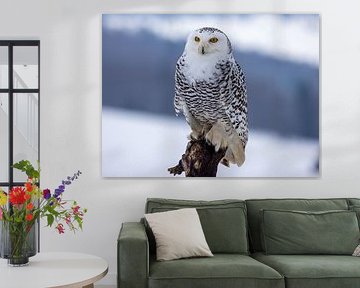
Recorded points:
(68, 181)
(46, 194)
(58, 192)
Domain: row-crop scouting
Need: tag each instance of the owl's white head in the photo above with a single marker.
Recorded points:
(208, 41)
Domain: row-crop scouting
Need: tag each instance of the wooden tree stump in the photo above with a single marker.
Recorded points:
(200, 160)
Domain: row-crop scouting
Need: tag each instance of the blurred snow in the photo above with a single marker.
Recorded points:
(291, 37)
(136, 144)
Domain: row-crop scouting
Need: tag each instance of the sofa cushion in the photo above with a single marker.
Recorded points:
(356, 209)
(353, 201)
(178, 234)
(254, 206)
(297, 232)
(223, 221)
(315, 271)
(222, 270)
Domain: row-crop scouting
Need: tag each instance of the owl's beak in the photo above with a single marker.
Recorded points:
(201, 49)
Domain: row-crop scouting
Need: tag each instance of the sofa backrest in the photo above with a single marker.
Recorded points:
(224, 222)
(254, 207)
(353, 202)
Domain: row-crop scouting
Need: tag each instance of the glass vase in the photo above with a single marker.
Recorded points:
(18, 242)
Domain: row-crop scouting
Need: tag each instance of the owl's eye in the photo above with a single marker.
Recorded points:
(197, 39)
(213, 40)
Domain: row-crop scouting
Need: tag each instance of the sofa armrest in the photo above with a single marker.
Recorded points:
(133, 256)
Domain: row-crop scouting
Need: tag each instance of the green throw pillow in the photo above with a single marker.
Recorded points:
(300, 232)
(356, 209)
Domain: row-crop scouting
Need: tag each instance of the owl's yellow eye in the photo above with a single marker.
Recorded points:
(197, 39)
(213, 40)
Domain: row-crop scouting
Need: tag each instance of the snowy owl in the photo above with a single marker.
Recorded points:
(210, 91)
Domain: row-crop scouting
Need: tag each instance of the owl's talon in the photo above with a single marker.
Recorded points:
(225, 162)
(217, 147)
(194, 136)
(235, 153)
(217, 137)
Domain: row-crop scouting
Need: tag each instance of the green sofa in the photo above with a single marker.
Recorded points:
(256, 243)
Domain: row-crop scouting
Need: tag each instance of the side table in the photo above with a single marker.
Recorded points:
(60, 270)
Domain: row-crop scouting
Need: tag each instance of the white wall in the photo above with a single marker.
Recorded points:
(70, 34)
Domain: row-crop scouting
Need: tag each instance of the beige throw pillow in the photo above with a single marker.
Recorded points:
(178, 234)
(357, 251)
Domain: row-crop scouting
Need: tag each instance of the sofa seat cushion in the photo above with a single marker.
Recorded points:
(315, 271)
(222, 270)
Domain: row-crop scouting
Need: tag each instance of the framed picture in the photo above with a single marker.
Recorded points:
(244, 85)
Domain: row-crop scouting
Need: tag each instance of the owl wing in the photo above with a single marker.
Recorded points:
(234, 96)
(180, 86)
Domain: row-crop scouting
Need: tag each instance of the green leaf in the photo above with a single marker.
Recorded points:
(36, 214)
(50, 219)
(53, 211)
(21, 165)
(28, 168)
(79, 221)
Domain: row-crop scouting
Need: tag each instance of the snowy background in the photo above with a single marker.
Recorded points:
(142, 137)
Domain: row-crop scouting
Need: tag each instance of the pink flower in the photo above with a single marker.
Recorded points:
(60, 228)
(76, 210)
(68, 219)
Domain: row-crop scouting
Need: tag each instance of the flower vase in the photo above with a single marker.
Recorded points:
(18, 242)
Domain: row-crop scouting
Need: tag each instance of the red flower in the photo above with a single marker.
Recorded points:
(29, 206)
(29, 217)
(27, 196)
(60, 228)
(17, 196)
(29, 186)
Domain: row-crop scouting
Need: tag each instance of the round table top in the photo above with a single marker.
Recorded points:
(56, 269)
